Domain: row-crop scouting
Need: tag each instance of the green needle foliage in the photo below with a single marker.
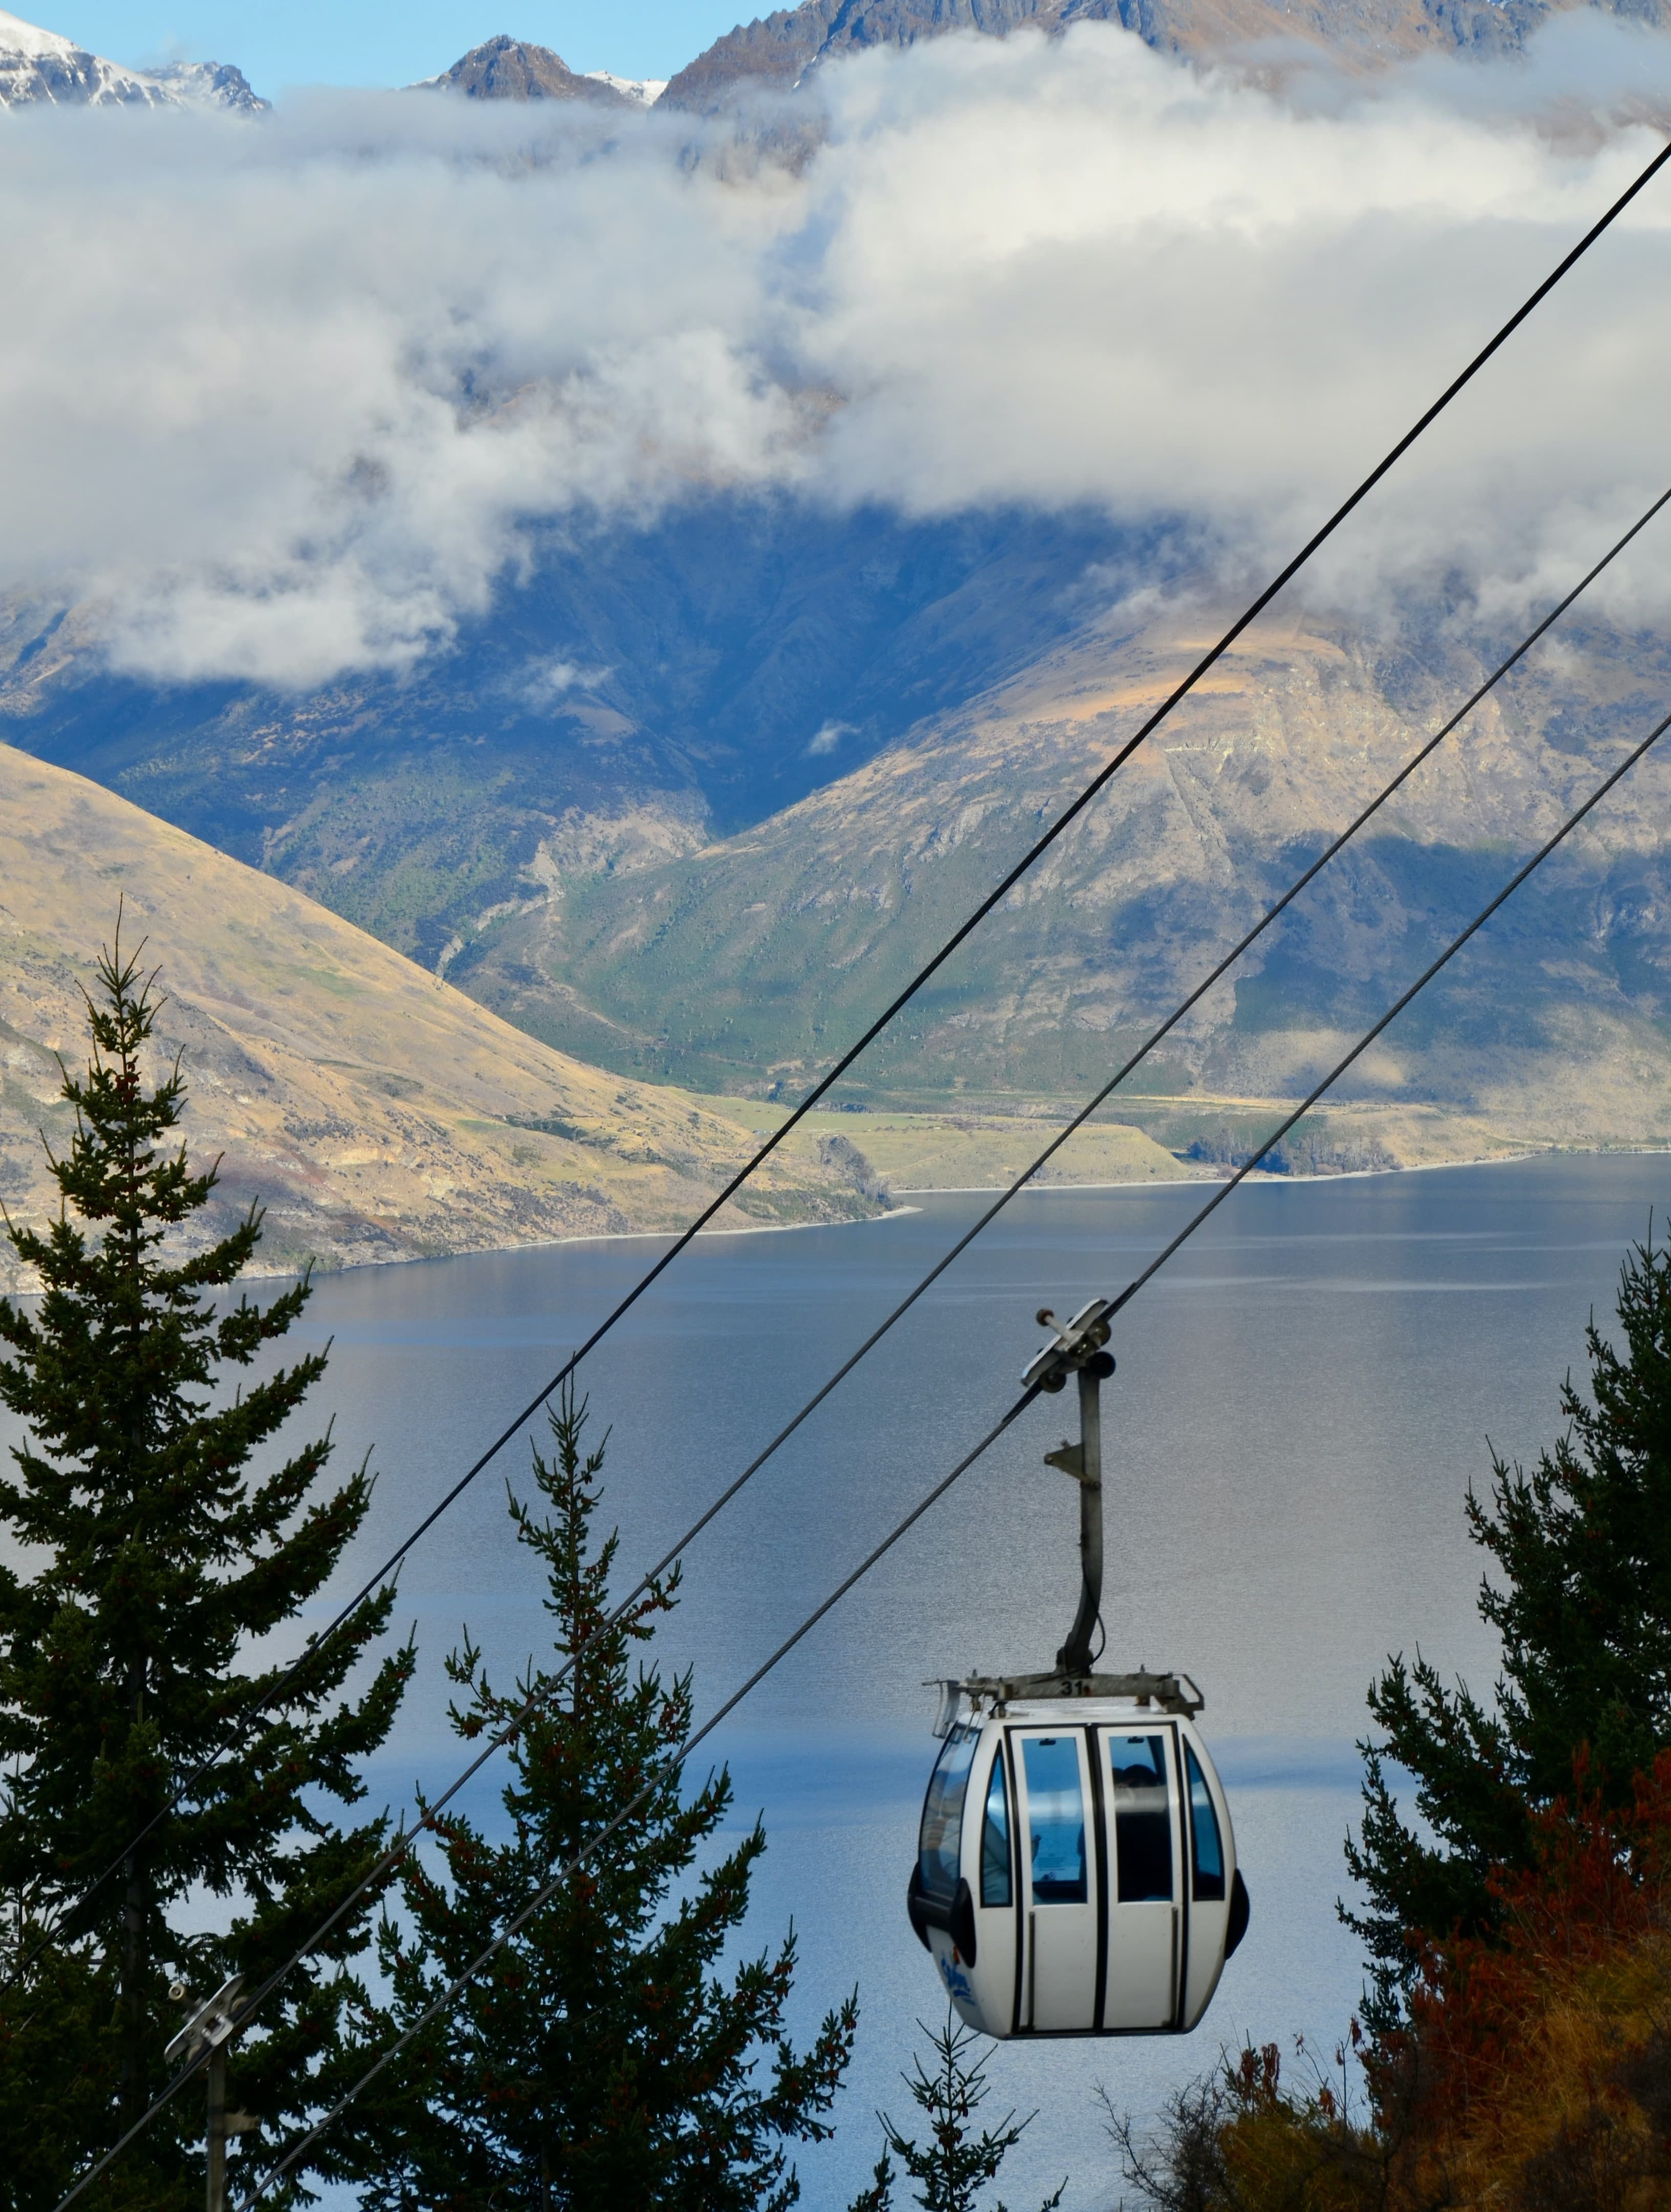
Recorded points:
(957, 2161)
(152, 1560)
(1584, 1610)
(599, 2062)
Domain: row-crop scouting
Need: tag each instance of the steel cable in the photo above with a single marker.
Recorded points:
(548, 1688)
(1278, 583)
(456, 1988)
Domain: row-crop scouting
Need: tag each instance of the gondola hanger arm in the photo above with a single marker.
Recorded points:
(1077, 1342)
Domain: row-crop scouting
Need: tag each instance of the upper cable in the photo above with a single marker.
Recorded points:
(275, 1694)
(549, 1687)
(449, 1995)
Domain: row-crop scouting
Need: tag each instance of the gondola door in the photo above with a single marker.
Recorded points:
(1059, 1882)
(1148, 1928)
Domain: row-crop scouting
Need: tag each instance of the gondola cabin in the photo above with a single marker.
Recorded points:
(1075, 1871)
(1076, 1868)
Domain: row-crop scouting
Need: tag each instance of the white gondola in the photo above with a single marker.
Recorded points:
(1076, 1868)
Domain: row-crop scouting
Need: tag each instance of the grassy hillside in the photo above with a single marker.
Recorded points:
(971, 1149)
(376, 1112)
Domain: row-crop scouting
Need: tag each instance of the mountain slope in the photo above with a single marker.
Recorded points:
(776, 53)
(746, 962)
(39, 67)
(692, 804)
(642, 692)
(376, 1112)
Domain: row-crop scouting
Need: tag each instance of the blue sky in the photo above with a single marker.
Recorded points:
(366, 42)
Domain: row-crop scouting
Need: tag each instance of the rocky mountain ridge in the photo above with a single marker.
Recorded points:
(776, 54)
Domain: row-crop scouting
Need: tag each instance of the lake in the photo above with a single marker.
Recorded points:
(1302, 1399)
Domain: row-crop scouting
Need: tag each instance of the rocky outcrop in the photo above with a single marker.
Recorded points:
(771, 54)
(210, 84)
(508, 68)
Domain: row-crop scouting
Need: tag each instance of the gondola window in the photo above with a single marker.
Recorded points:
(941, 1837)
(1142, 1818)
(995, 1838)
(1056, 1818)
(1206, 1849)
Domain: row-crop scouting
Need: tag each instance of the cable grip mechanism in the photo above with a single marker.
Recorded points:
(1078, 1349)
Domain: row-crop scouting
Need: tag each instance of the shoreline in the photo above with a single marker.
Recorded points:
(1032, 1190)
(597, 1237)
(1303, 1181)
(962, 1190)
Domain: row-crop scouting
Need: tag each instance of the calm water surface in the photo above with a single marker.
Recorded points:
(1303, 1400)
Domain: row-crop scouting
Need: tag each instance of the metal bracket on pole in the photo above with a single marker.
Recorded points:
(210, 2029)
(1079, 1350)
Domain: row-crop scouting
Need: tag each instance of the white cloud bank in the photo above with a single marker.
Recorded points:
(283, 397)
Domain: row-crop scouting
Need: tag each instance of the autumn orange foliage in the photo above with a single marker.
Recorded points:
(1535, 2074)
(1538, 2071)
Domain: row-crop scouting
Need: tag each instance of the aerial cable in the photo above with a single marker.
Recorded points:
(548, 1688)
(1391, 1014)
(675, 1762)
(455, 1989)
(821, 1088)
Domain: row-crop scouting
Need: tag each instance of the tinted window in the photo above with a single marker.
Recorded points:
(939, 1846)
(1055, 1818)
(1142, 1817)
(1206, 1849)
(995, 1838)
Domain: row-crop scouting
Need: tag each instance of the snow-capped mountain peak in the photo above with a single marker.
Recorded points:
(645, 90)
(17, 37)
(40, 67)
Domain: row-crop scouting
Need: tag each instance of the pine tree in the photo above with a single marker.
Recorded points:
(154, 1561)
(599, 2061)
(1584, 1610)
(955, 2162)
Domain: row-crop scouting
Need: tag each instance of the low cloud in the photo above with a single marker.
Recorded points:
(284, 397)
(544, 683)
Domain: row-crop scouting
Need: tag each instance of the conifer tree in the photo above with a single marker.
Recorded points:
(959, 2160)
(154, 1561)
(599, 2062)
(1584, 1610)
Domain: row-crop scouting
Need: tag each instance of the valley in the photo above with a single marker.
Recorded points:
(660, 818)
(708, 863)
(559, 613)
